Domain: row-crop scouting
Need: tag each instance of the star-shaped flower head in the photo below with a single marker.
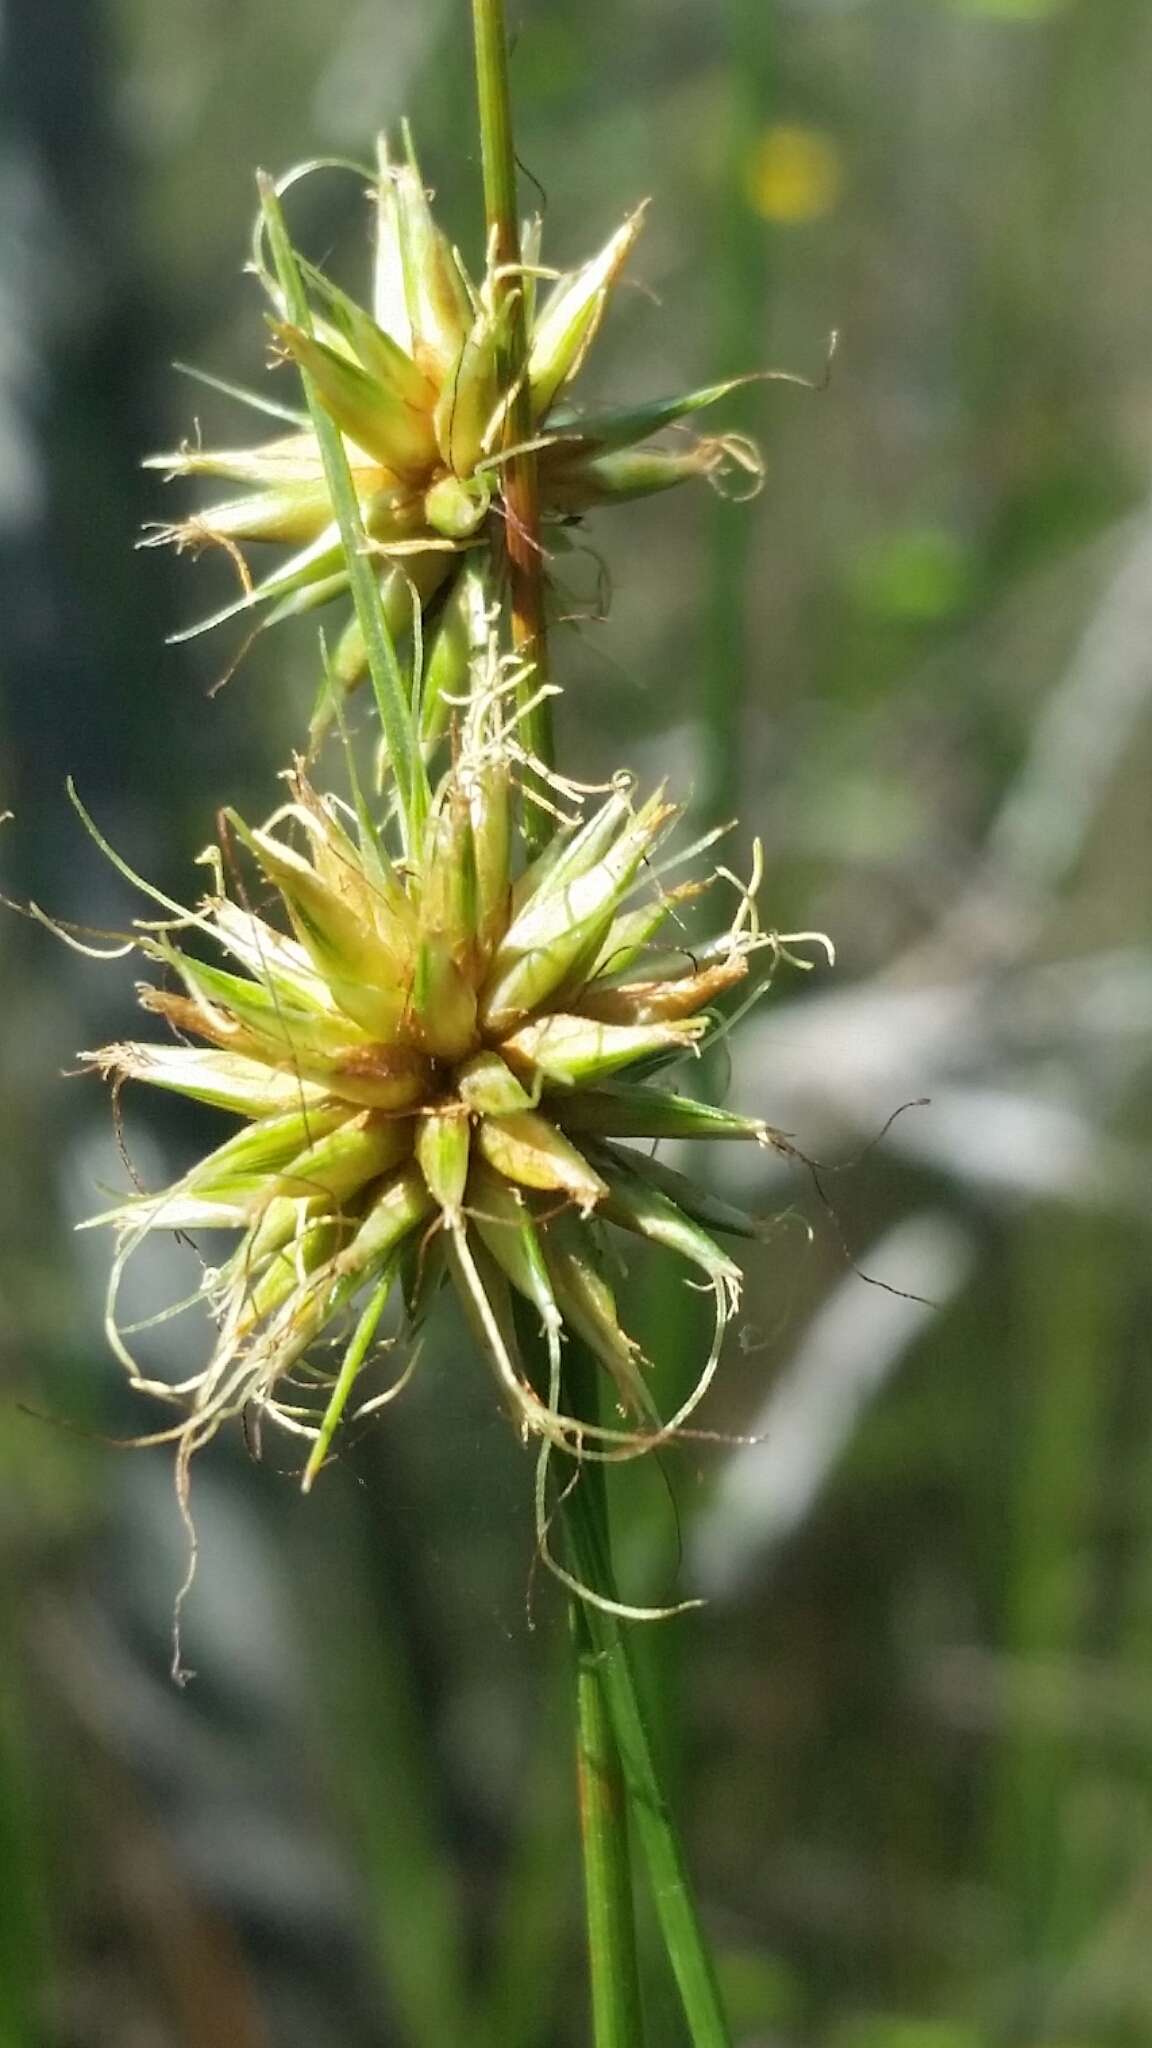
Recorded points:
(438, 1061)
(420, 391)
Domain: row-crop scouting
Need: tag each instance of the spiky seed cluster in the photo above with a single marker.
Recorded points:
(420, 390)
(441, 1052)
(434, 1070)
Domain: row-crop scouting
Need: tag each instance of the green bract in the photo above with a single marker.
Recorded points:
(434, 1052)
(420, 390)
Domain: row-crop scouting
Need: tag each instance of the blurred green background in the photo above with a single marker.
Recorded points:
(912, 1731)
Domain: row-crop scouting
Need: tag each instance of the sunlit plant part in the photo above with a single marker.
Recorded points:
(436, 1056)
(420, 389)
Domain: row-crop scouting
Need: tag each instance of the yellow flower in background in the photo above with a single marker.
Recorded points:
(794, 174)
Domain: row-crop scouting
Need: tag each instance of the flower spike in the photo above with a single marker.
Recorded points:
(418, 387)
(430, 1046)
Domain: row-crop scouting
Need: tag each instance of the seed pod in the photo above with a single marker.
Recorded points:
(364, 969)
(501, 1218)
(468, 399)
(562, 922)
(566, 324)
(528, 1150)
(575, 1051)
(439, 307)
(393, 1077)
(490, 803)
(443, 1003)
(653, 1002)
(241, 1014)
(223, 1080)
(676, 964)
(373, 347)
(409, 582)
(290, 515)
(455, 508)
(570, 855)
(627, 1110)
(245, 1018)
(360, 873)
(573, 486)
(398, 1209)
(282, 1218)
(635, 1205)
(174, 1211)
(336, 1165)
(528, 881)
(293, 459)
(389, 295)
(247, 1166)
(442, 1144)
(443, 989)
(392, 512)
(489, 1086)
(266, 1148)
(261, 948)
(448, 651)
(284, 1280)
(573, 435)
(629, 933)
(587, 1303)
(690, 1198)
(373, 415)
(307, 598)
(448, 896)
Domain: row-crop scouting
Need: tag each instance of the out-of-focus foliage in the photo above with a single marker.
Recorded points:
(912, 1729)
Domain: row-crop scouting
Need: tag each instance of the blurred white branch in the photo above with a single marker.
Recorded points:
(852, 1345)
(1080, 740)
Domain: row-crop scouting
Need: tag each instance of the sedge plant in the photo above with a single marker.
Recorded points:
(458, 1004)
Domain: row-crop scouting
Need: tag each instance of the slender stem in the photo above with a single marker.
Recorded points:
(613, 1972)
(520, 490)
(616, 1760)
(603, 1800)
(655, 1826)
(609, 1906)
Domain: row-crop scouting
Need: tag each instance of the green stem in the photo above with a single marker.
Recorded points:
(616, 1760)
(655, 1827)
(609, 1905)
(613, 1973)
(603, 1801)
(520, 491)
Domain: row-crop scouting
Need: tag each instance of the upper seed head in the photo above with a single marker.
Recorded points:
(419, 389)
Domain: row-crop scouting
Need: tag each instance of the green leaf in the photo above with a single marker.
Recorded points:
(391, 692)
